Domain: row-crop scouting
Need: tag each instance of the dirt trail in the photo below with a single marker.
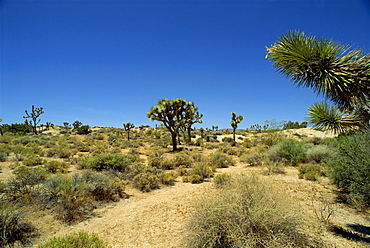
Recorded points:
(155, 219)
(158, 219)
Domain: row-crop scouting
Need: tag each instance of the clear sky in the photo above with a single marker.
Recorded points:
(107, 62)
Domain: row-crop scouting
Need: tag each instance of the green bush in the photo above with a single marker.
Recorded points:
(220, 160)
(349, 168)
(3, 156)
(289, 150)
(83, 130)
(107, 161)
(33, 161)
(253, 159)
(146, 181)
(75, 240)
(272, 168)
(202, 169)
(310, 171)
(168, 178)
(24, 140)
(13, 227)
(56, 167)
(26, 181)
(318, 154)
(73, 196)
(246, 213)
(221, 180)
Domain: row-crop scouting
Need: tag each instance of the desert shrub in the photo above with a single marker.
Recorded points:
(229, 140)
(199, 142)
(107, 161)
(33, 161)
(246, 213)
(26, 181)
(270, 139)
(310, 171)
(83, 130)
(221, 180)
(24, 140)
(318, 154)
(182, 159)
(56, 167)
(167, 178)
(349, 168)
(146, 181)
(3, 156)
(62, 152)
(272, 168)
(95, 136)
(2, 187)
(193, 178)
(253, 158)
(74, 196)
(75, 240)
(14, 229)
(220, 160)
(202, 169)
(289, 150)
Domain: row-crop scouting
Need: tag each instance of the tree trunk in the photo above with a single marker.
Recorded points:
(189, 135)
(234, 134)
(174, 141)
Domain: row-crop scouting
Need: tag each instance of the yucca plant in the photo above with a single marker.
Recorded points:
(337, 71)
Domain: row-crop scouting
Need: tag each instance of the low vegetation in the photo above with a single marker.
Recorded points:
(69, 175)
(246, 212)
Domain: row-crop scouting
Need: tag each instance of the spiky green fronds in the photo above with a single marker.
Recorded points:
(326, 117)
(335, 70)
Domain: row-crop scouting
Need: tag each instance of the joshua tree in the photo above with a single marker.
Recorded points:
(192, 116)
(174, 114)
(76, 124)
(34, 116)
(128, 126)
(235, 120)
(49, 125)
(337, 71)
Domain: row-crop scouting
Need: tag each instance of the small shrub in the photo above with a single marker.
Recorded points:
(56, 167)
(247, 213)
(168, 178)
(83, 130)
(318, 154)
(202, 169)
(33, 161)
(146, 181)
(349, 168)
(26, 181)
(13, 227)
(107, 161)
(222, 179)
(274, 168)
(253, 159)
(310, 171)
(289, 150)
(182, 159)
(3, 156)
(220, 160)
(76, 192)
(75, 240)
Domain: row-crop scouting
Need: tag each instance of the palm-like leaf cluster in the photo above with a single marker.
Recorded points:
(337, 71)
(326, 117)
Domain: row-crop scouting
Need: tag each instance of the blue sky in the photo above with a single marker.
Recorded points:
(107, 62)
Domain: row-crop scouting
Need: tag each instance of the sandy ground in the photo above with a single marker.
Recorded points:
(158, 219)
